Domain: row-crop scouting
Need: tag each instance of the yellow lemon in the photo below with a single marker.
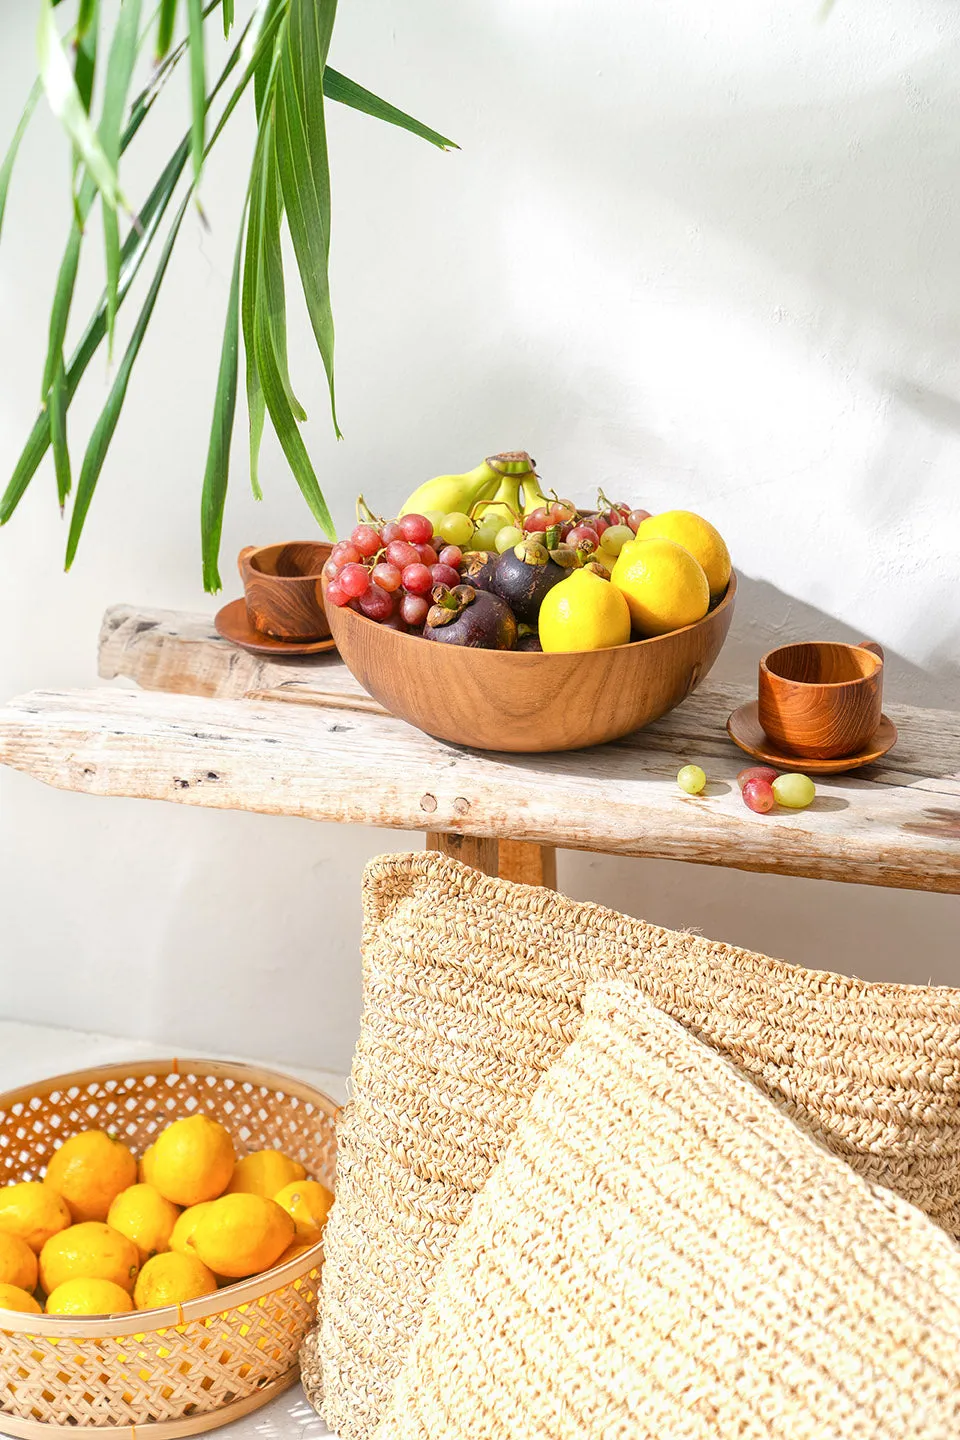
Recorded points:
(662, 584)
(171, 1280)
(18, 1264)
(33, 1211)
(308, 1202)
(299, 1247)
(193, 1160)
(89, 1171)
(89, 1297)
(145, 1217)
(182, 1233)
(583, 612)
(145, 1166)
(12, 1297)
(264, 1173)
(242, 1235)
(89, 1251)
(697, 535)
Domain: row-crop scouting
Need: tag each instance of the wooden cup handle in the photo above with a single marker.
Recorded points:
(244, 555)
(873, 647)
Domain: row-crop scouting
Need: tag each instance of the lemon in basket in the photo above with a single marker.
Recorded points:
(89, 1297)
(13, 1298)
(89, 1171)
(18, 1264)
(193, 1160)
(145, 1166)
(242, 1234)
(89, 1251)
(308, 1203)
(172, 1279)
(145, 1217)
(32, 1211)
(181, 1235)
(264, 1173)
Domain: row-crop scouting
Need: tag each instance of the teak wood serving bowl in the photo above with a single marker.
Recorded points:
(520, 701)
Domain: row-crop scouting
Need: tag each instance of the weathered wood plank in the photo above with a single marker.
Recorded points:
(348, 766)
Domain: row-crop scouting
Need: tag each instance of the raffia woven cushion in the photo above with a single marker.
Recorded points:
(474, 986)
(662, 1253)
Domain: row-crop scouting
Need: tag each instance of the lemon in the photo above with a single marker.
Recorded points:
(182, 1233)
(193, 1160)
(662, 584)
(171, 1280)
(89, 1251)
(18, 1264)
(145, 1166)
(583, 612)
(697, 535)
(308, 1202)
(299, 1247)
(13, 1298)
(88, 1297)
(89, 1171)
(145, 1217)
(33, 1211)
(242, 1235)
(264, 1173)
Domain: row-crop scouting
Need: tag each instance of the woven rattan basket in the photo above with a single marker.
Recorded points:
(184, 1369)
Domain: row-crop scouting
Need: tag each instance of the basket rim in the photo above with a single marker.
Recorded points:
(243, 1292)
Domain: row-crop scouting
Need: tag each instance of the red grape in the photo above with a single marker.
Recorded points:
(428, 555)
(394, 622)
(636, 518)
(387, 576)
(561, 512)
(366, 539)
(345, 553)
(378, 604)
(442, 575)
(354, 580)
(536, 520)
(336, 594)
(757, 772)
(758, 795)
(391, 531)
(438, 543)
(417, 529)
(418, 580)
(401, 553)
(331, 569)
(414, 609)
(581, 533)
(451, 555)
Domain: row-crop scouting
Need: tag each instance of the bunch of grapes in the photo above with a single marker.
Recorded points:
(388, 571)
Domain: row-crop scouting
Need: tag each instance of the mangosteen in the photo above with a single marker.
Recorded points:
(465, 616)
(524, 575)
(529, 640)
(479, 568)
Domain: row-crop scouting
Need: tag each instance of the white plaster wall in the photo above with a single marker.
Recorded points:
(707, 254)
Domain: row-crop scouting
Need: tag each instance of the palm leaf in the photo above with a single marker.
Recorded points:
(227, 17)
(85, 59)
(166, 25)
(302, 162)
(217, 472)
(58, 433)
(10, 159)
(256, 406)
(123, 53)
(348, 92)
(66, 104)
(198, 82)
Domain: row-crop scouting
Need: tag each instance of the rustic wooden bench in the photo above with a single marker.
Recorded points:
(212, 725)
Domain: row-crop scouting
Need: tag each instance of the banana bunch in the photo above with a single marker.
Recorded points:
(492, 488)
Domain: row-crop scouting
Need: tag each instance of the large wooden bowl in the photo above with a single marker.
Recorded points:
(517, 701)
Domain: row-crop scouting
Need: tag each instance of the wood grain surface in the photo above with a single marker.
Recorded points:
(280, 583)
(821, 700)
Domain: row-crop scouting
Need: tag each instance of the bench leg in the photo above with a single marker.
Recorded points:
(530, 864)
(481, 854)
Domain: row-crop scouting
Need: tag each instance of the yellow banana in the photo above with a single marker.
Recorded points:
(533, 496)
(505, 504)
(447, 493)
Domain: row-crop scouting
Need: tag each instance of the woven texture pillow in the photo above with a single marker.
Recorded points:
(663, 1253)
(473, 986)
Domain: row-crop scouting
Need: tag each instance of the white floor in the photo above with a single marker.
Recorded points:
(32, 1052)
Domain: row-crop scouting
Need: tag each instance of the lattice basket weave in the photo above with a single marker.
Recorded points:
(183, 1369)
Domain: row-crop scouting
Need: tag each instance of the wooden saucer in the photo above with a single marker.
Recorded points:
(745, 730)
(231, 622)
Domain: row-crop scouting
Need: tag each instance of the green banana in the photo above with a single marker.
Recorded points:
(447, 493)
(533, 496)
(505, 504)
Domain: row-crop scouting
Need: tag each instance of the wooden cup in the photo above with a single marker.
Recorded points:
(821, 699)
(282, 590)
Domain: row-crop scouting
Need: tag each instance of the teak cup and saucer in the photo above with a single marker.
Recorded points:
(281, 612)
(818, 708)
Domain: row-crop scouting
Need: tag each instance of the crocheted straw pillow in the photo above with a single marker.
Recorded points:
(663, 1253)
(474, 986)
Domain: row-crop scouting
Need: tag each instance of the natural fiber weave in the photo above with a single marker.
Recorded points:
(473, 987)
(662, 1253)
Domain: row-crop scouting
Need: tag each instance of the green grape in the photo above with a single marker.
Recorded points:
(435, 517)
(615, 537)
(794, 791)
(456, 528)
(506, 538)
(485, 535)
(692, 779)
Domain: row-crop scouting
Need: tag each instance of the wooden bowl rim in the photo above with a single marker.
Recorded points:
(242, 1292)
(633, 645)
(819, 684)
(314, 575)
